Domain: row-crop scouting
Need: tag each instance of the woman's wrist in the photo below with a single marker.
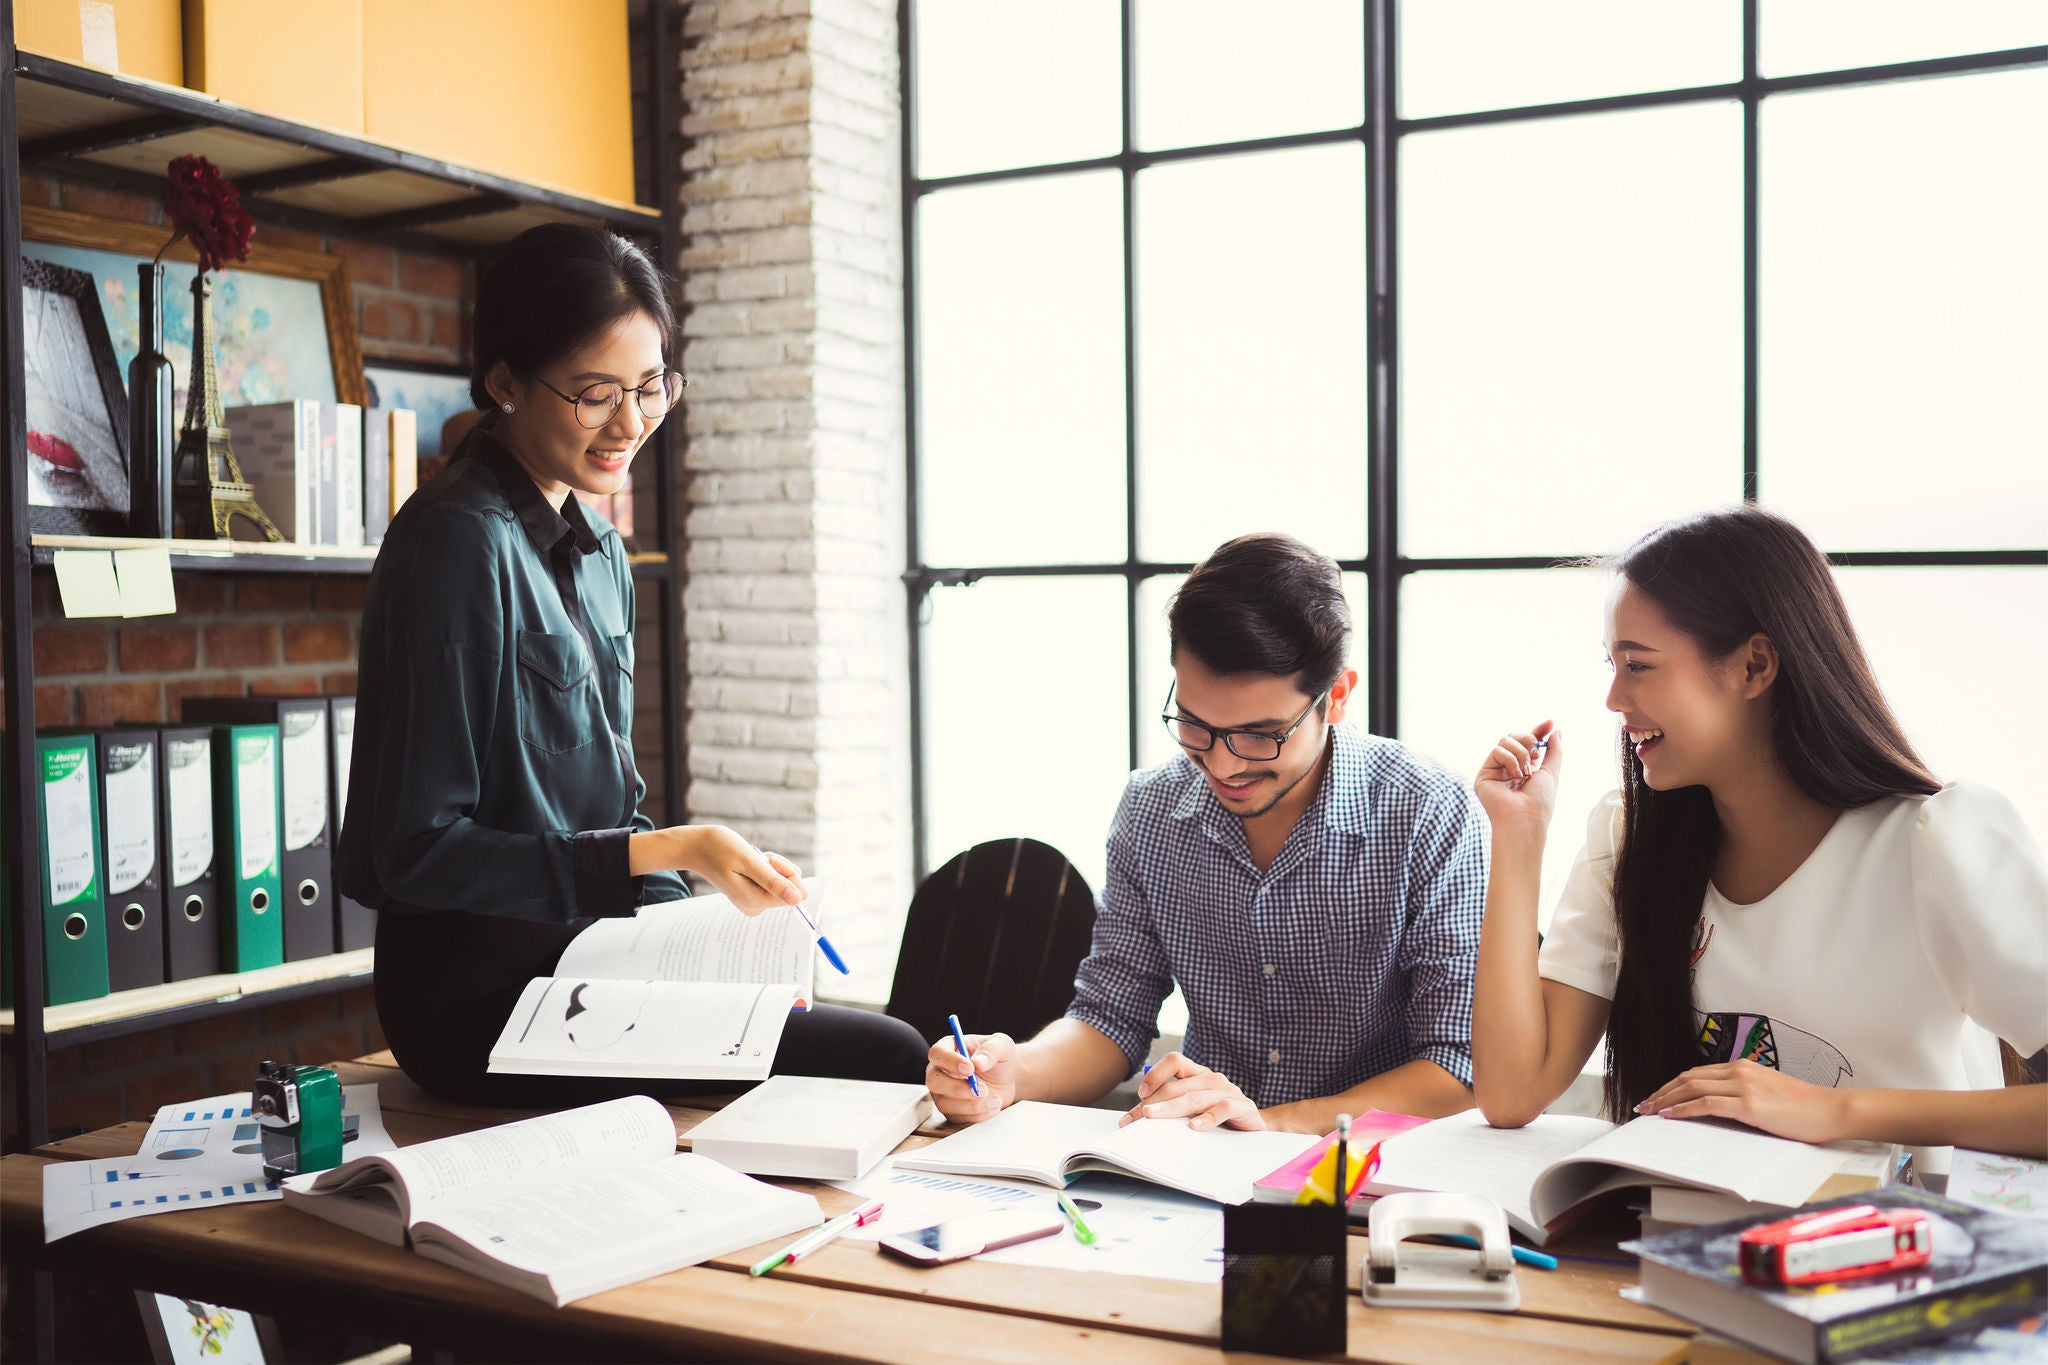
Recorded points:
(662, 850)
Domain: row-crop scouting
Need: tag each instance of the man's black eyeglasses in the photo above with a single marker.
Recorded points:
(1255, 745)
(597, 404)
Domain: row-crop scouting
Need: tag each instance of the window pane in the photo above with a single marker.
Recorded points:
(1016, 85)
(1462, 55)
(1904, 322)
(1021, 342)
(1251, 351)
(1026, 700)
(1205, 76)
(1483, 654)
(1571, 329)
(1960, 655)
(1795, 36)
(1155, 668)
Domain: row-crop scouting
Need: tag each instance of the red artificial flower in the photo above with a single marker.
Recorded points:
(204, 205)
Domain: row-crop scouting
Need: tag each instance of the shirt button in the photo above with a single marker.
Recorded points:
(1270, 969)
(1274, 1057)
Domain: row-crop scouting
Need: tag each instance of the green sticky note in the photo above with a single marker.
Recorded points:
(86, 584)
(145, 579)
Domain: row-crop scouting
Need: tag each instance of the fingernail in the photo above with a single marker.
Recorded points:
(1665, 1113)
(1643, 1108)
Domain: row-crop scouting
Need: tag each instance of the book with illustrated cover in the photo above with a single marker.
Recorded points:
(561, 1206)
(1988, 1267)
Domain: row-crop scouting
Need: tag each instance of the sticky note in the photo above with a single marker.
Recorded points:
(146, 588)
(86, 584)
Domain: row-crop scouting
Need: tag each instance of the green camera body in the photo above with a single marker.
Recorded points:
(299, 1111)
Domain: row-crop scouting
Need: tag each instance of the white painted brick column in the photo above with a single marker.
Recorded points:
(794, 472)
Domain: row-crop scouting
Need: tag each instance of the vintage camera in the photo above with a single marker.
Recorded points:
(299, 1110)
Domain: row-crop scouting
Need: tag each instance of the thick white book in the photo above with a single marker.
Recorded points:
(685, 990)
(341, 446)
(812, 1127)
(1049, 1142)
(1545, 1174)
(278, 447)
(561, 1206)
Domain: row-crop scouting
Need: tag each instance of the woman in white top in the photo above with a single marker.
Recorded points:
(1781, 917)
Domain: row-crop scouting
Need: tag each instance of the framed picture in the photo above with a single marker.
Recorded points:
(435, 392)
(284, 320)
(77, 409)
(186, 1330)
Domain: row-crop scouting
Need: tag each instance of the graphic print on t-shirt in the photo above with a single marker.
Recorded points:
(1730, 1036)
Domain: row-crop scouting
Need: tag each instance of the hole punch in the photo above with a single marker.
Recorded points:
(1400, 1275)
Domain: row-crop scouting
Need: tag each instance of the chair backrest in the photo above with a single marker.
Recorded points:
(994, 936)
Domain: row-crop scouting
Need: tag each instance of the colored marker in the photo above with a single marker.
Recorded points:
(960, 1042)
(1083, 1234)
(818, 1236)
(1522, 1253)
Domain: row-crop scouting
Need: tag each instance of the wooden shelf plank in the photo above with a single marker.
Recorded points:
(200, 990)
(251, 556)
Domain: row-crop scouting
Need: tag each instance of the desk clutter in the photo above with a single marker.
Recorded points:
(189, 850)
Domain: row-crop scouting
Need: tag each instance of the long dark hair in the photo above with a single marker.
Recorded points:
(555, 287)
(1723, 577)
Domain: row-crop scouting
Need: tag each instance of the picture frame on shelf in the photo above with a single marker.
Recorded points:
(77, 409)
(284, 320)
(435, 392)
(181, 1329)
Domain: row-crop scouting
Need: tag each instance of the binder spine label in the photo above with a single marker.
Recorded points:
(130, 816)
(256, 783)
(67, 805)
(304, 751)
(191, 809)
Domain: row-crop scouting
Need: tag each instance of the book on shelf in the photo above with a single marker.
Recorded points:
(1549, 1173)
(341, 475)
(812, 1127)
(1049, 1142)
(278, 447)
(391, 467)
(561, 1206)
(684, 990)
(1988, 1267)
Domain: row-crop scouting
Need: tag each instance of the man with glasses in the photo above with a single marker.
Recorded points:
(1314, 891)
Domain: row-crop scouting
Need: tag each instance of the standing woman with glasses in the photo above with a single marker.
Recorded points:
(493, 805)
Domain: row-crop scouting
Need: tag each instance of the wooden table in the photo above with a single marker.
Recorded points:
(845, 1303)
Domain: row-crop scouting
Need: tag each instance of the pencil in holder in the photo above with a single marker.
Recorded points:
(1283, 1279)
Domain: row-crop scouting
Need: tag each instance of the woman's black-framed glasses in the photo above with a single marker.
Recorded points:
(598, 403)
(1258, 746)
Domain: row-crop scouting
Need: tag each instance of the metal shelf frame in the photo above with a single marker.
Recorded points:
(1378, 138)
(142, 111)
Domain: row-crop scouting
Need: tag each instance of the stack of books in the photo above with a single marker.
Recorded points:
(327, 473)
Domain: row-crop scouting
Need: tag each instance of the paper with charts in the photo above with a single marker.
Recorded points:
(2015, 1184)
(196, 1154)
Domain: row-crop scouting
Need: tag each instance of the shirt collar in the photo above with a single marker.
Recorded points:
(544, 525)
(1339, 803)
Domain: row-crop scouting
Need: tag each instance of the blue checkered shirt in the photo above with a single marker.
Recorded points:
(1351, 955)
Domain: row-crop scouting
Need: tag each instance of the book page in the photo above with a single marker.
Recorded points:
(1464, 1154)
(1220, 1164)
(1718, 1156)
(678, 1030)
(704, 938)
(1029, 1139)
(609, 1229)
(439, 1175)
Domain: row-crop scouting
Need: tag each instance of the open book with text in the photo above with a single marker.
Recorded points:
(685, 990)
(1545, 1174)
(1049, 1142)
(561, 1206)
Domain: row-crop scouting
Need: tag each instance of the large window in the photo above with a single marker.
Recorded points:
(1458, 292)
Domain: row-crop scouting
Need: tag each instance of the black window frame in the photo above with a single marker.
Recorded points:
(1379, 136)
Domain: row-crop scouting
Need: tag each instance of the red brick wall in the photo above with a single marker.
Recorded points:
(232, 634)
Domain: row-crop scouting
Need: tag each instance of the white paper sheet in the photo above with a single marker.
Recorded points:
(1140, 1228)
(2012, 1184)
(203, 1153)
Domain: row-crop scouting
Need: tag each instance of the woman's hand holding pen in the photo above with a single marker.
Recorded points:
(749, 878)
(1517, 784)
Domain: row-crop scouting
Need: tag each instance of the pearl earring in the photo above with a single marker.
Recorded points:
(508, 407)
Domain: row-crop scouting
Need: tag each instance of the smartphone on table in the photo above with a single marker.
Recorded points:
(958, 1238)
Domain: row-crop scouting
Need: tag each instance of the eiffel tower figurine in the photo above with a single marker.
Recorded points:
(208, 489)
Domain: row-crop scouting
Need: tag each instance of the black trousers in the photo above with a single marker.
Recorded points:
(446, 983)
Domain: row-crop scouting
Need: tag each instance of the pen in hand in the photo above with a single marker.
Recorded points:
(824, 944)
(960, 1042)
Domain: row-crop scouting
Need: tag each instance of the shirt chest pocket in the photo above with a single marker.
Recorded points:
(555, 694)
(622, 649)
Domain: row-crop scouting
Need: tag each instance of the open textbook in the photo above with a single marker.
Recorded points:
(561, 1206)
(685, 990)
(1049, 1142)
(1544, 1174)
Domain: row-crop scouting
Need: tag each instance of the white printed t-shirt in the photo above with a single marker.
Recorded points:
(1913, 933)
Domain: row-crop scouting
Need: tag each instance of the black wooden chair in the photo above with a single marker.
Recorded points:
(994, 936)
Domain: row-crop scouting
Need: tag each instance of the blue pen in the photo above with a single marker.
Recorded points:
(960, 1042)
(825, 944)
(1522, 1253)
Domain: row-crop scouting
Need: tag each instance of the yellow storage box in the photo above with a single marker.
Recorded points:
(134, 37)
(298, 59)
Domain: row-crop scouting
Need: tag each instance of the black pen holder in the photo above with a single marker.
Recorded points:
(1283, 1279)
